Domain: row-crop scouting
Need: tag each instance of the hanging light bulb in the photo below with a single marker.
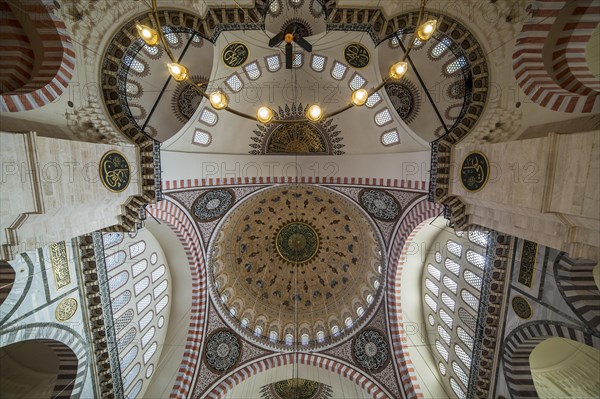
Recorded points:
(426, 30)
(178, 71)
(398, 70)
(264, 115)
(314, 113)
(149, 35)
(359, 97)
(218, 100)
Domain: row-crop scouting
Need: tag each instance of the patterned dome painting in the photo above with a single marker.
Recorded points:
(295, 262)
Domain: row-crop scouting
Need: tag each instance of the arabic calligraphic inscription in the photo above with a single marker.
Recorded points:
(357, 55)
(475, 171)
(60, 264)
(115, 173)
(528, 257)
(235, 54)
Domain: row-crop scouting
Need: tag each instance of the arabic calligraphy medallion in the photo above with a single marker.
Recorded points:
(357, 55)
(235, 54)
(115, 173)
(475, 171)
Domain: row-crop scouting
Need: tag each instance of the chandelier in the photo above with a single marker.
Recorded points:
(314, 113)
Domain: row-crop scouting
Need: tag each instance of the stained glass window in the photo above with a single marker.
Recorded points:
(338, 71)
(390, 137)
(318, 63)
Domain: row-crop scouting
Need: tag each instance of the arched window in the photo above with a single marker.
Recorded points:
(434, 271)
(235, 83)
(289, 339)
(338, 71)
(348, 322)
(431, 319)
(369, 299)
(470, 299)
(304, 339)
(252, 70)
(442, 368)
(144, 321)
(450, 284)
(462, 355)
(126, 339)
(134, 64)
(444, 334)
(139, 267)
(202, 138)
(112, 239)
(456, 65)
(452, 266)
(273, 336)
(335, 330)
(383, 117)
(158, 273)
(459, 233)
(431, 303)
(438, 257)
(129, 357)
(476, 259)
(465, 337)
(153, 258)
(360, 311)
(467, 318)
(143, 303)
(479, 238)
(390, 137)
(446, 318)
(159, 289)
(449, 302)
(148, 336)
(129, 377)
(460, 373)
(123, 321)
(245, 322)
(258, 330)
(441, 350)
(457, 389)
(432, 287)
(373, 100)
(376, 284)
(273, 63)
(233, 311)
(440, 48)
(171, 36)
(320, 336)
(118, 281)
(298, 60)
(119, 302)
(114, 260)
(208, 117)
(473, 279)
(151, 50)
(141, 285)
(135, 391)
(275, 6)
(162, 304)
(317, 63)
(357, 81)
(137, 248)
(454, 248)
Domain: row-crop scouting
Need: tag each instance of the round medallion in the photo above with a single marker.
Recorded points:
(114, 171)
(235, 54)
(357, 55)
(297, 242)
(223, 350)
(66, 309)
(371, 350)
(213, 204)
(380, 204)
(521, 307)
(474, 172)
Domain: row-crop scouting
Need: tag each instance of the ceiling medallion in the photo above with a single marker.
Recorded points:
(380, 204)
(371, 350)
(521, 307)
(357, 55)
(114, 170)
(235, 54)
(475, 171)
(296, 388)
(66, 309)
(405, 98)
(186, 99)
(296, 138)
(297, 242)
(223, 350)
(213, 204)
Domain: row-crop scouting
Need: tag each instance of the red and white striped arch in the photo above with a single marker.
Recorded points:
(30, 87)
(415, 219)
(179, 222)
(350, 373)
(549, 57)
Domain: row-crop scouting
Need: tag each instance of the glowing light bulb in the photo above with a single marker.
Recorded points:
(314, 113)
(398, 70)
(149, 35)
(218, 100)
(177, 71)
(426, 30)
(264, 114)
(359, 97)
